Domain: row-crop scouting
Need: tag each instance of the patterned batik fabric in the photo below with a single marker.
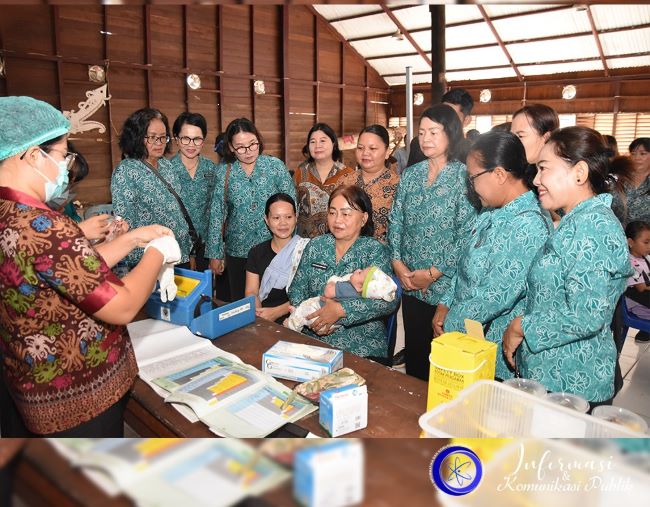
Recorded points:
(196, 192)
(490, 283)
(573, 287)
(635, 205)
(140, 198)
(62, 366)
(429, 224)
(381, 191)
(313, 196)
(244, 213)
(363, 331)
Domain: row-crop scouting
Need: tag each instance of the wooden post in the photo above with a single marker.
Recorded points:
(285, 81)
(438, 65)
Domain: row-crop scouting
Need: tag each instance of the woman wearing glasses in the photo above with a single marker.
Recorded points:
(349, 246)
(139, 194)
(429, 221)
(245, 181)
(490, 283)
(196, 175)
(66, 361)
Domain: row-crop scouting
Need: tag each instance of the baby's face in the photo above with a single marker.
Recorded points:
(357, 278)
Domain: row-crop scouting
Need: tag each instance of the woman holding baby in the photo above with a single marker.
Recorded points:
(349, 246)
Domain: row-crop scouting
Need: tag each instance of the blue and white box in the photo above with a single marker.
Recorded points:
(300, 362)
(344, 409)
(329, 475)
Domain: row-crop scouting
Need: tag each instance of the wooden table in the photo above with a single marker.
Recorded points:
(396, 473)
(395, 400)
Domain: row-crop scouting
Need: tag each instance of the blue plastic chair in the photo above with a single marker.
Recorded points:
(632, 321)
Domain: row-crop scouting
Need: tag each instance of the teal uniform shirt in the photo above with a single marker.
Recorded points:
(363, 332)
(196, 192)
(140, 198)
(637, 203)
(490, 283)
(428, 225)
(573, 287)
(245, 202)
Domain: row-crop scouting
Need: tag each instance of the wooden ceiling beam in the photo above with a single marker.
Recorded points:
(594, 32)
(503, 47)
(406, 34)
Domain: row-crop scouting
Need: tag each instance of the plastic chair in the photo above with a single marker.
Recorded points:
(98, 209)
(632, 321)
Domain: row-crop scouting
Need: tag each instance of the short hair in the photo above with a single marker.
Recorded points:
(279, 197)
(337, 154)
(503, 149)
(194, 119)
(582, 144)
(447, 117)
(541, 117)
(134, 131)
(640, 141)
(636, 227)
(358, 199)
(460, 97)
(235, 127)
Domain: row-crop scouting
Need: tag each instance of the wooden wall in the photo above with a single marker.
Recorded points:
(595, 93)
(310, 75)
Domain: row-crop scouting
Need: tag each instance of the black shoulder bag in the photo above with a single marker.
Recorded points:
(198, 245)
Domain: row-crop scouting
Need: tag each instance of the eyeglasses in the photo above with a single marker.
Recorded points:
(251, 147)
(185, 141)
(69, 157)
(473, 177)
(157, 139)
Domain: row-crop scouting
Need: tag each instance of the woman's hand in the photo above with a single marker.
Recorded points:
(438, 320)
(404, 274)
(512, 338)
(326, 316)
(143, 235)
(268, 313)
(217, 266)
(421, 279)
(95, 228)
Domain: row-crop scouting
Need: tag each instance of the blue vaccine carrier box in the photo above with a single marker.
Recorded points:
(193, 306)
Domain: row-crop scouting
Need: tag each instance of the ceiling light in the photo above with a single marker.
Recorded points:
(485, 96)
(418, 99)
(96, 74)
(398, 35)
(569, 92)
(259, 88)
(194, 81)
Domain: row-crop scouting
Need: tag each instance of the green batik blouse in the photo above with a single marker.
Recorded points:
(428, 225)
(490, 283)
(573, 287)
(363, 332)
(244, 213)
(196, 192)
(140, 198)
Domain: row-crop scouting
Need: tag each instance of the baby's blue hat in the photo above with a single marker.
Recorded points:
(26, 122)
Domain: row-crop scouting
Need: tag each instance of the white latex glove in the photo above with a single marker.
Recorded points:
(168, 287)
(168, 247)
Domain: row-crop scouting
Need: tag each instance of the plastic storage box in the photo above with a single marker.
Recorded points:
(489, 409)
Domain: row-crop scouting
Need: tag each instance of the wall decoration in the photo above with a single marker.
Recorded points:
(96, 99)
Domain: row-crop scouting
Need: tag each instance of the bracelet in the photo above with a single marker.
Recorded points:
(431, 274)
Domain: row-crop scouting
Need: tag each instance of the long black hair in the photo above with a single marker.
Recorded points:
(503, 149)
(132, 142)
(337, 154)
(447, 117)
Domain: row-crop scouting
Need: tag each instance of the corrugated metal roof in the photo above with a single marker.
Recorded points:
(541, 39)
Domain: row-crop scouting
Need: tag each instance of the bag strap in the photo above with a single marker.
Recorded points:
(193, 234)
(225, 192)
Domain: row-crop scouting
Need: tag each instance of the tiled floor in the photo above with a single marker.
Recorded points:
(635, 366)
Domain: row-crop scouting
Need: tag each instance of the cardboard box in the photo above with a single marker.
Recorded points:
(457, 361)
(344, 410)
(299, 362)
(330, 475)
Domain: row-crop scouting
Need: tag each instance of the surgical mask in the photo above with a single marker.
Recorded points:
(54, 189)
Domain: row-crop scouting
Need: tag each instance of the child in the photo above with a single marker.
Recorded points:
(637, 295)
(371, 283)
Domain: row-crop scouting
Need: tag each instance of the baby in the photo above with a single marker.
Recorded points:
(371, 283)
